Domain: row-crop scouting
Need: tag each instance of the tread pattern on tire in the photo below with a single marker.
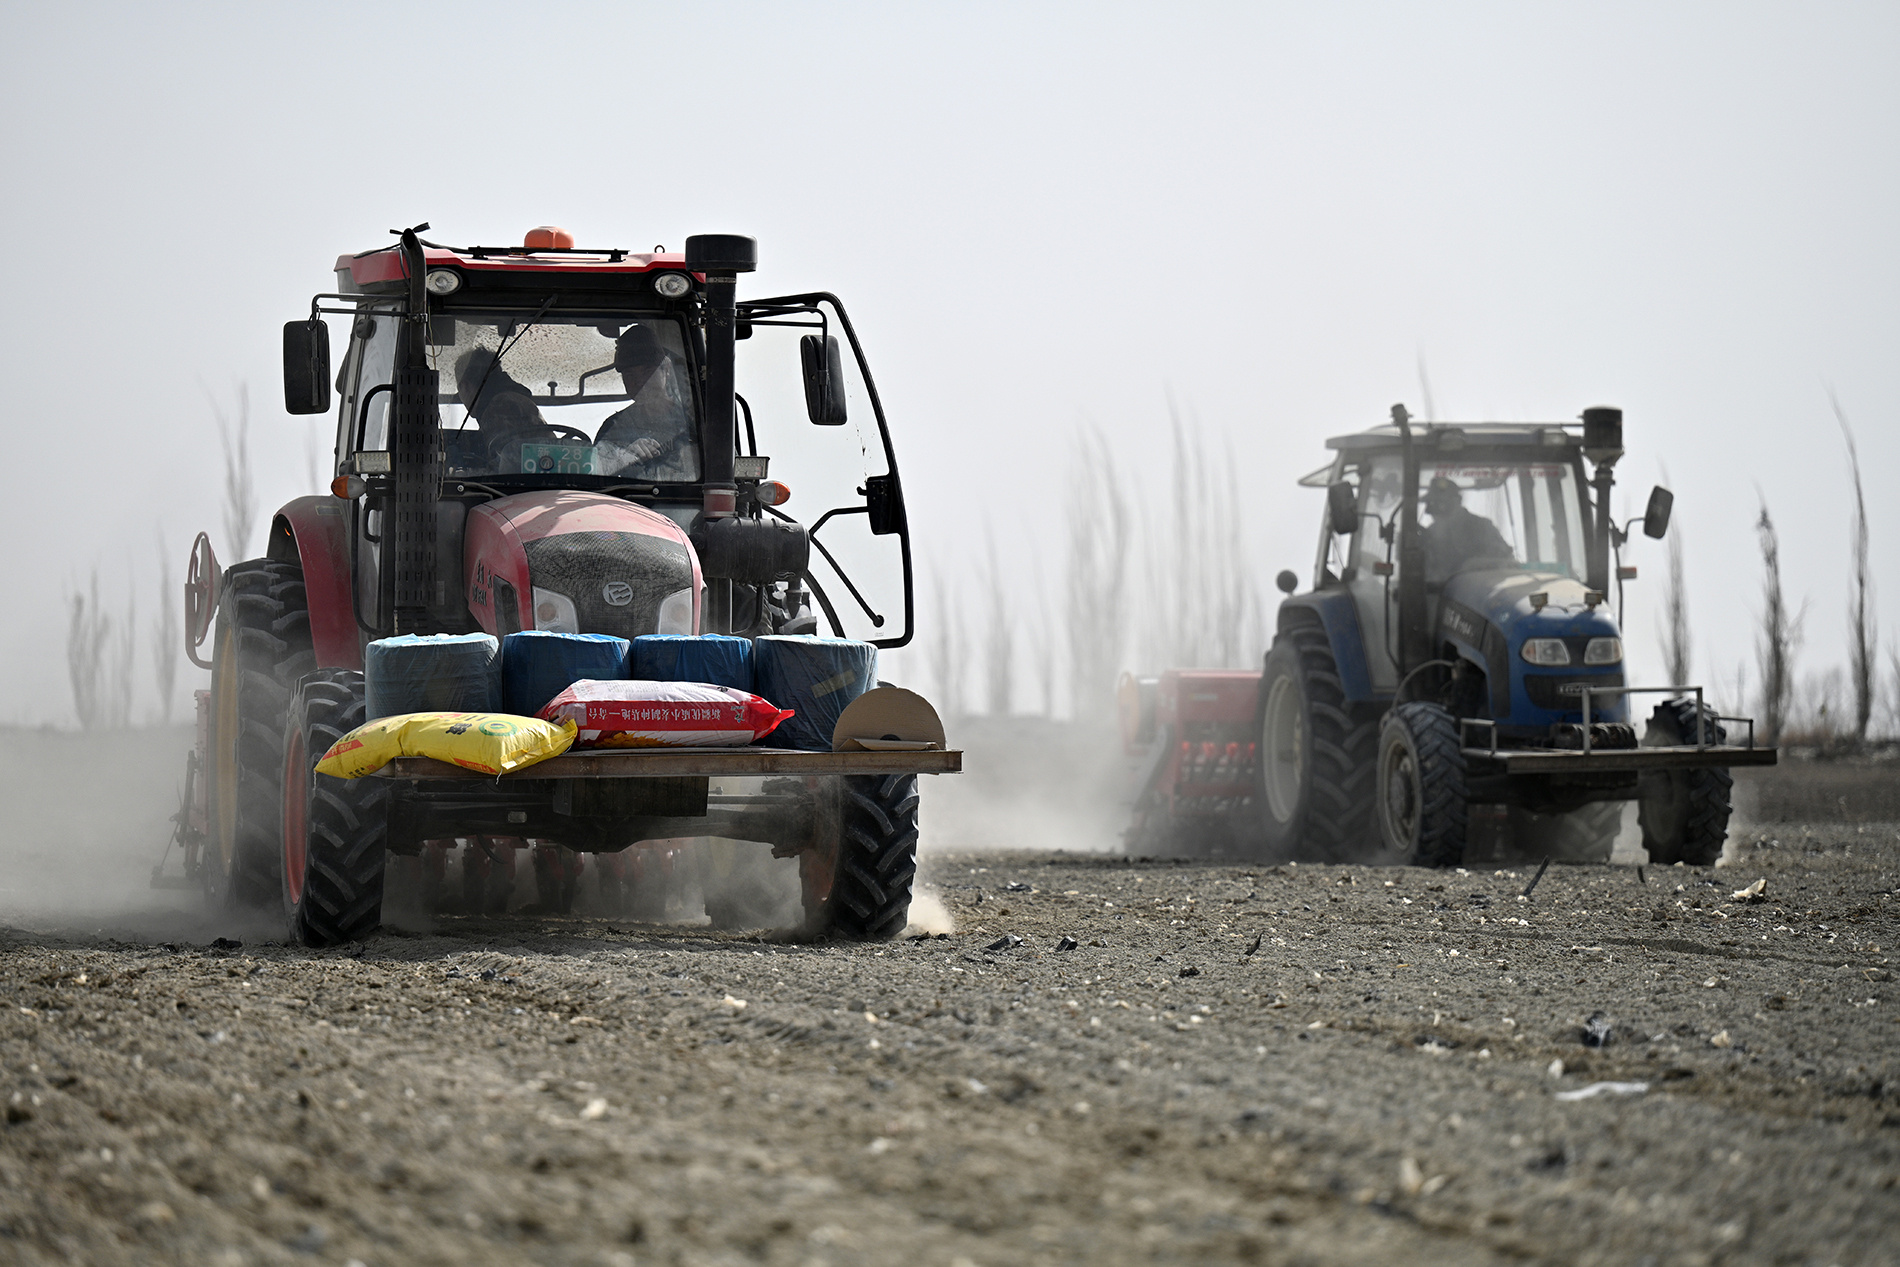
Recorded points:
(264, 606)
(1442, 786)
(1334, 821)
(1684, 813)
(347, 821)
(877, 858)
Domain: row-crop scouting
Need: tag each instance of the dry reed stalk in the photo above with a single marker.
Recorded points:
(1099, 522)
(240, 484)
(1863, 635)
(999, 649)
(165, 633)
(1778, 638)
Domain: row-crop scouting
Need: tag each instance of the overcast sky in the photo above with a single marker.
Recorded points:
(1040, 216)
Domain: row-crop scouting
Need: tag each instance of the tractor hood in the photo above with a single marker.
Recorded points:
(577, 562)
(1504, 597)
(1489, 615)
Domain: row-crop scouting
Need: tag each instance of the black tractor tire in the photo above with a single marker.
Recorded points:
(1314, 761)
(1585, 835)
(262, 647)
(1421, 793)
(335, 832)
(877, 857)
(1684, 813)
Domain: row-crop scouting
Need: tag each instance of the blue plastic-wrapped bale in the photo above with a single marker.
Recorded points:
(431, 673)
(814, 677)
(712, 658)
(537, 665)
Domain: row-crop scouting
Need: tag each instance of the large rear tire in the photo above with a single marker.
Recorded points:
(1315, 756)
(1422, 790)
(1684, 813)
(262, 647)
(877, 857)
(335, 832)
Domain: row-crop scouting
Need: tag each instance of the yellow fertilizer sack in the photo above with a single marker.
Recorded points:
(488, 743)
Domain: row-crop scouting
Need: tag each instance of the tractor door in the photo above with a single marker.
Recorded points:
(841, 471)
(1372, 565)
(365, 397)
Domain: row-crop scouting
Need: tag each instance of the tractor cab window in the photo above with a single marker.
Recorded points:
(1477, 512)
(524, 397)
(1481, 513)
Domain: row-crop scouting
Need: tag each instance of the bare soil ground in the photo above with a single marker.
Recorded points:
(1232, 1063)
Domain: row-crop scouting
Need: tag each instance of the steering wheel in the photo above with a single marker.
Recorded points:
(535, 434)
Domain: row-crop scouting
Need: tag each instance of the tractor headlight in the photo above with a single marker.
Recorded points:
(442, 281)
(672, 285)
(1603, 651)
(554, 613)
(1549, 652)
(676, 613)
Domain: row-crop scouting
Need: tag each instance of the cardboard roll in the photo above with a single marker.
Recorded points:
(888, 719)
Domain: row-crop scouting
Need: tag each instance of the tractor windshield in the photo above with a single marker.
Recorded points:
(526, 395)
(1481, 511)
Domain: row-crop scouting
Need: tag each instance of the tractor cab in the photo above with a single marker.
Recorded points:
(1505, 529)
(599, 441)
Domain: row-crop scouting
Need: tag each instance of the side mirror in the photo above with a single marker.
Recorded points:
(824, 379)
(306, 367)
(1342, 507)
(884, 501)
(1656, 514)
(1287, 581)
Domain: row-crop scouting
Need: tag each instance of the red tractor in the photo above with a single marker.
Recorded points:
(556, 438)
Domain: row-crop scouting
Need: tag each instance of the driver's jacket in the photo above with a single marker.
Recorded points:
(1457, 539)
(663, 411)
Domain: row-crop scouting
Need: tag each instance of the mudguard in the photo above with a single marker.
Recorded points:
(1341, 620)
(314, 532)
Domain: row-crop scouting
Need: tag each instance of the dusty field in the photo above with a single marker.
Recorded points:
(1234, 1064)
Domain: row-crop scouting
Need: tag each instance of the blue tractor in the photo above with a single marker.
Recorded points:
(1458, 649)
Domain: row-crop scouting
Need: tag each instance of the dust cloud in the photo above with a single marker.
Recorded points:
(88, 818)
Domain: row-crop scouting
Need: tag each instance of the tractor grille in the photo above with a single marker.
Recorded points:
(1546, 690)
(585, 565)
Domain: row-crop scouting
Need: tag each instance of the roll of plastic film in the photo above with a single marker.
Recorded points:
(711, 658)
(815, 678)
(430, 673)
(537, 665)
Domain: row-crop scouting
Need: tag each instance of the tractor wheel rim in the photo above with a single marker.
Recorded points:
(296, 815)
(1401, 793)
(1283, 740)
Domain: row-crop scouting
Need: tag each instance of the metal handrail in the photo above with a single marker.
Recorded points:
(1586, 692)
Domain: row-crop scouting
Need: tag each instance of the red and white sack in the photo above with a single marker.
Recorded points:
(640, 714)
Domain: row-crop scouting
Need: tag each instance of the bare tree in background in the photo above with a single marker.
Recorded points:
(99, 657)
(1863, 637)
(1425, 389)
(1097, 581)
(1675, 617)
(946, 650)
(1203, 606)
(999, 649)
(165, 635)
(1779, 637)
(240, 485)
(88, 630)
(1042, 648)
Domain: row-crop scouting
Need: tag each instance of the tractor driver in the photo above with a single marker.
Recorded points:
(652, 438)
(1457, 539)
(504, 411)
